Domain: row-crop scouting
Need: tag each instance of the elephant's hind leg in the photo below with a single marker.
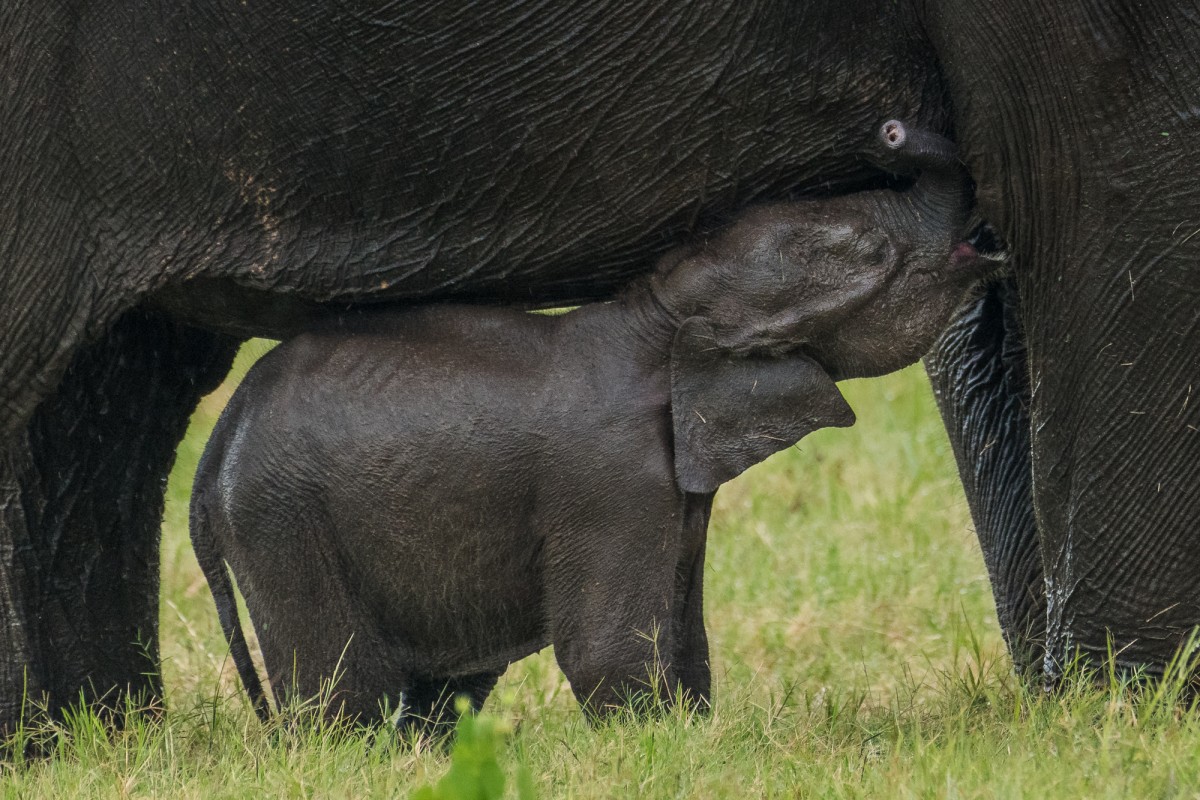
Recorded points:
(320, 644)
(430, 704)
(81, 499)
(319, 661)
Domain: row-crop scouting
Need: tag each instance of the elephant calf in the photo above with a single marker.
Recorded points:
(411, 500)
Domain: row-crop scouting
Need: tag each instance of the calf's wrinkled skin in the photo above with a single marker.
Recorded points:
(415, 499)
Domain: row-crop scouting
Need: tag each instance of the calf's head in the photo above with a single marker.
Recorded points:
(797, 295)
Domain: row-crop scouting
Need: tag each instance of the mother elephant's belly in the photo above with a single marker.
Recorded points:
(482, 151)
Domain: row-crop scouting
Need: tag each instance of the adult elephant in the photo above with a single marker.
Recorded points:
(175, 179)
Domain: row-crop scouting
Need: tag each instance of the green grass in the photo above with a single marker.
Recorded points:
(855, 654)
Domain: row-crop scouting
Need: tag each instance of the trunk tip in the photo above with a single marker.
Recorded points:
(894, 134)
(909, 148)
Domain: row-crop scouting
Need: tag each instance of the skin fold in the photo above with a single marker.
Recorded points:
(451, 488)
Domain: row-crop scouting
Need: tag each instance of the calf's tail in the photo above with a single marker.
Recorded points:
(203, 518)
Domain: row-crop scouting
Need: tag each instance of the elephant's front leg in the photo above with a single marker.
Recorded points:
(610, 596)
(690, 657)
(81, 497)
(980, 380)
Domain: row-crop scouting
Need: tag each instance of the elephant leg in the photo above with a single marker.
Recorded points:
(81, 499)
(610, 595)
(1116, 442)
(321, 647)
(980, 380)
(430, 703)
(690, 657)
(1104, 234)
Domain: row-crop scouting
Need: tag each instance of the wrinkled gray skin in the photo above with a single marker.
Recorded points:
(415, 499)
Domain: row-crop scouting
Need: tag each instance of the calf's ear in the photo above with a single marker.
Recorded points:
(730, 412)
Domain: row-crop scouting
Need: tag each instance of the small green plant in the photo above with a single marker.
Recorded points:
(475, 772)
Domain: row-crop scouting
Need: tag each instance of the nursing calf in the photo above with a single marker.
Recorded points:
(411, 500)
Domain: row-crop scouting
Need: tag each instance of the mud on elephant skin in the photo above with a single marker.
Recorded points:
(449, 489)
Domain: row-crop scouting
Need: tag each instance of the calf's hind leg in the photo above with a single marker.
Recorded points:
(430, 704)
(319, 643)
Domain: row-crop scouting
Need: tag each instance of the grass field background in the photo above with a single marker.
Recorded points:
(854, 645)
